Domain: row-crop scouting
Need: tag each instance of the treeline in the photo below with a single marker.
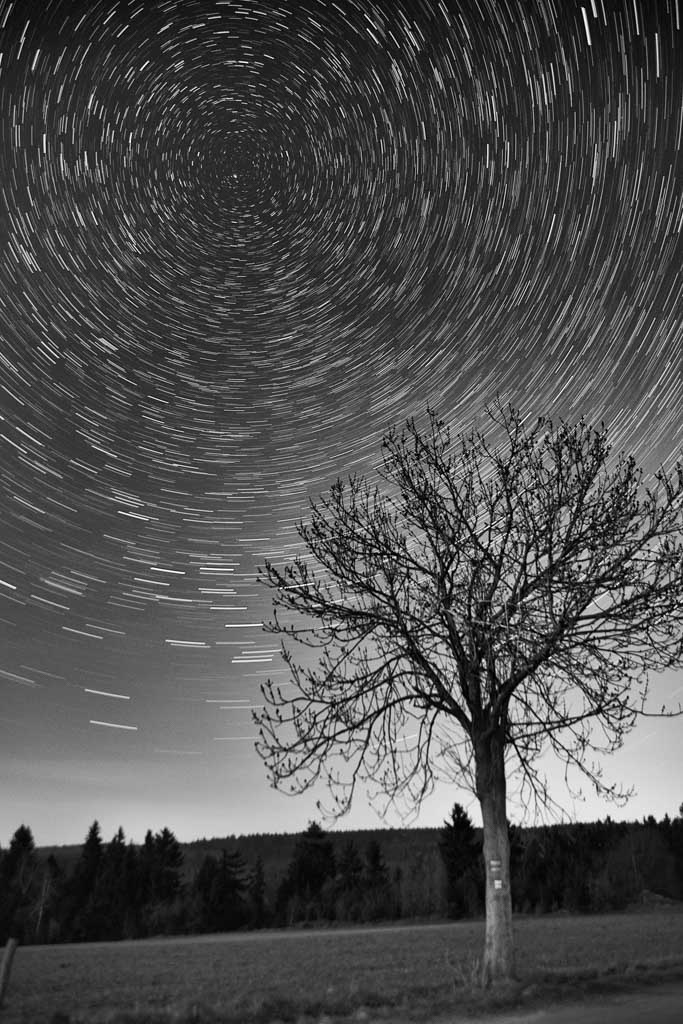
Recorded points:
(118, 890)
(579, 868)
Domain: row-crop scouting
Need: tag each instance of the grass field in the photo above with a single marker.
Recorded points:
(407, 971)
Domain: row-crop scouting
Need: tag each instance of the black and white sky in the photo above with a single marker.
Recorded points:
(241, 240)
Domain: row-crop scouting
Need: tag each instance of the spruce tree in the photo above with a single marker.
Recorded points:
(461, 852)
(256, 895)
(82, 885)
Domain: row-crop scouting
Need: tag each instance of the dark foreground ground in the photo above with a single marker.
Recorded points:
(660, 1005)
(600, 965)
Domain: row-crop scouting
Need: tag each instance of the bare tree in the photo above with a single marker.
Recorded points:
(482, 600)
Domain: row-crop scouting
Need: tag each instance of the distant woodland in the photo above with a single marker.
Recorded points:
(114, 889)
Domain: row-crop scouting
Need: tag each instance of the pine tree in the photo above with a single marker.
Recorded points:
(17, 879)
(82, 885)
(19, 861)
(107, 906)
(228, 910)
(162, 911)
(256, 895)
(200, 919)
(218, 894)
(378, 902)
(303, 894)
(146, 868)
(350, 867)
(131, 889)
(349, 883)
(461, 854)
(167, 861)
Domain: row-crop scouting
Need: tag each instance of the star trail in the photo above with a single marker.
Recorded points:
(241, 240)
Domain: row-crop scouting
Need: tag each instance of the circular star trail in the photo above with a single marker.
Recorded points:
(240, 240)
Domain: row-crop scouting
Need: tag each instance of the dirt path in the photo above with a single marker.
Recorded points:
(662, 1004)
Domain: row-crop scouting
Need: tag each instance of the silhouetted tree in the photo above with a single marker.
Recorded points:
(350, 883)
(81, 886)
(516, 848)
(200, 912)
(45, 911)
(461, 854)
(350, 870)
(160, 883)
(227, 894)
(300, 894)
(146, 869)
(130, 884)
(676, 846)
(167, 861)
(574, 890)
(256, 895)
(18, 869)
(541, 872)
(219, 901)
(499, 595)
(379, 902)
(18, 864)
(108, 903)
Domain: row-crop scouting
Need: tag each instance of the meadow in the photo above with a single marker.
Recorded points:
(411, 971)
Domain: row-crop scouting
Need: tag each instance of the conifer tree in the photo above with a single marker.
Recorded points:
(82, 885)
(256, 894)
(17, 877)
(461, 853)
(300, 895)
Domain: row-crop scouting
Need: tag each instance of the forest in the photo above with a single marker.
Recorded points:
(118, 890)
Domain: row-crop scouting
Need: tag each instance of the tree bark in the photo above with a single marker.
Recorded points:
(499, 962)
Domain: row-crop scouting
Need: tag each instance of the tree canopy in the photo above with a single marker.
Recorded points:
(528, 583)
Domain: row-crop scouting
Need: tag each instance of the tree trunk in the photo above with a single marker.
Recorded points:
(44, 892)
(499, 962)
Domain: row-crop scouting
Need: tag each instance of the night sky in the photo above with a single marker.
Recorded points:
(241, 240)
